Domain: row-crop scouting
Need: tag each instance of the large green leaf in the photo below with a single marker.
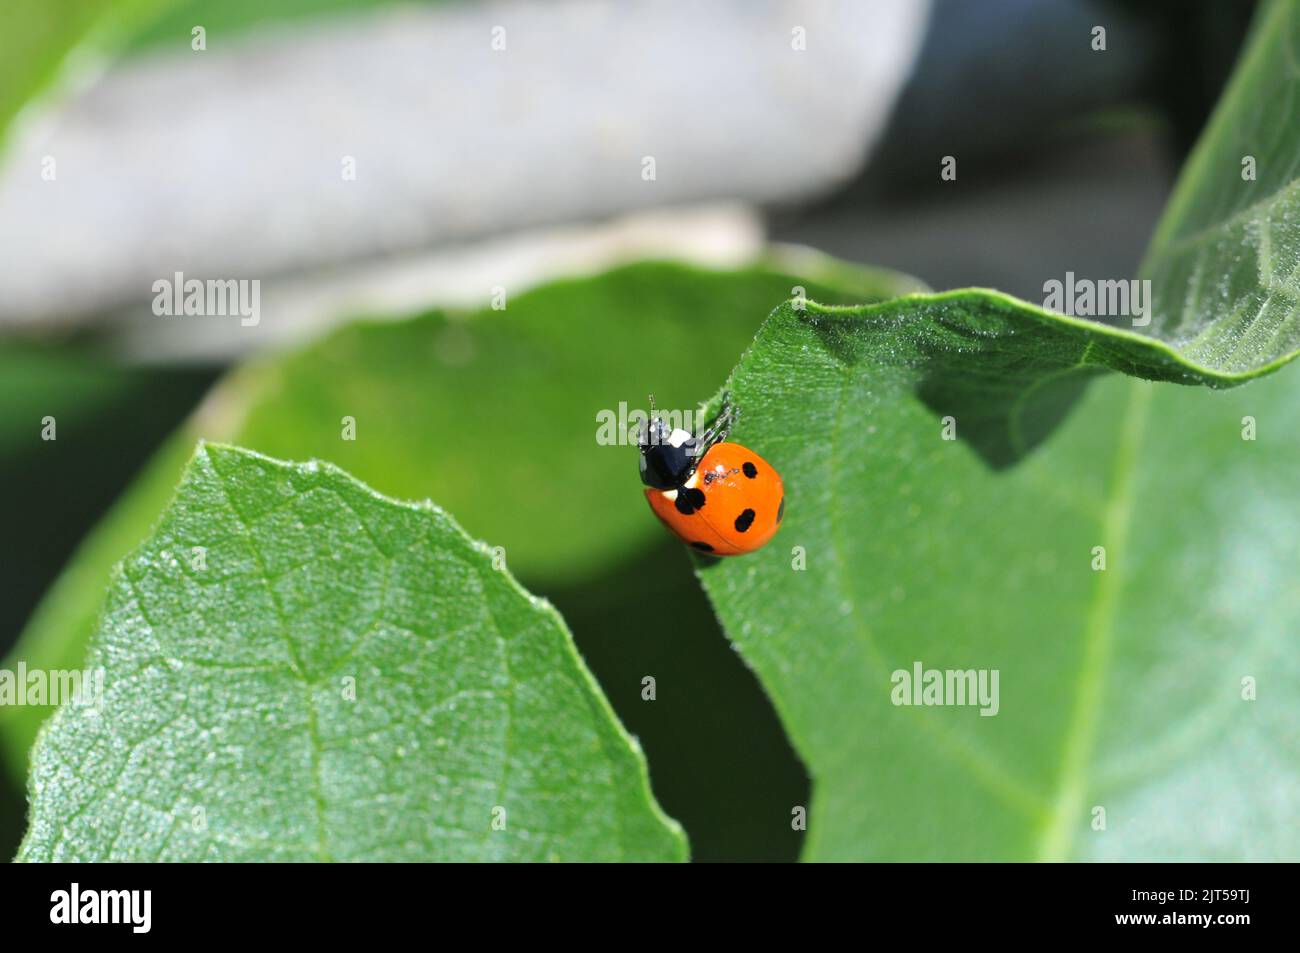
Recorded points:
(1225, 261)
(491, 414)
(1118, 688)
(300, 669)
(1121, 688)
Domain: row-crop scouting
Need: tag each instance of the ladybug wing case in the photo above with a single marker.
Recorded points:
(732, 504)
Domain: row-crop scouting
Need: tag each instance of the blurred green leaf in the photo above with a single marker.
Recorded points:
(105, 420)
(63, 383)
(300, 669)
(494, 415)
(224, 19)
(37, 36)
(1225, 261)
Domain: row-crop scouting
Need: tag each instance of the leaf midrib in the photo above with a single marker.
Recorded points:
(1056, 840)
(1059, 817)
(313, 728)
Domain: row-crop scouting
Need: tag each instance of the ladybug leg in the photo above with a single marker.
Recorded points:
(727, 419)
(718, 431)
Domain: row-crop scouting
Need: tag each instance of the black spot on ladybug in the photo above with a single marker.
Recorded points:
(751, 471)
(744, 520)
(780, 510)
(689, 499)
(702, 547)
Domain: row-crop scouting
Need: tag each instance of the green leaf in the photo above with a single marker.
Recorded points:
(332, 675)
(225, 20)
(1119, 689)
(37, 37)
(1225, 262)
(451, 406)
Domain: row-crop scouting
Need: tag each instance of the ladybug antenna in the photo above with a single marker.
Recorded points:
(652, 429)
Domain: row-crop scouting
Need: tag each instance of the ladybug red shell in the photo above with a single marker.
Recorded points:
(727, 502)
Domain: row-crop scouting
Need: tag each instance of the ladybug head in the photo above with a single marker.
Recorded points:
(667, 456)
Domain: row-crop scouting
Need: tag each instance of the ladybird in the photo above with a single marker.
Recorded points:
(719, 498)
